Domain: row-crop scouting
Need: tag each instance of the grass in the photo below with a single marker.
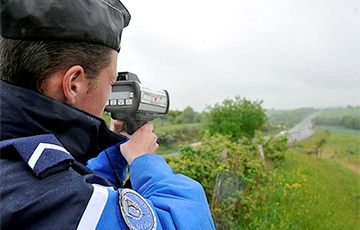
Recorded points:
(174, 127)
(171, 136)
(339, 147)
(341, 112)
(306, 193)
(339, 129)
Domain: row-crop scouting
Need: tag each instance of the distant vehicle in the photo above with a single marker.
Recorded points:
(282, 133)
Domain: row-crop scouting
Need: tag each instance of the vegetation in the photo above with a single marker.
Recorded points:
(188, 116)
(305, 193)
(171, 136)
(231, 173)
(348, 118)
(236, 118)
(289, 190)
(287, 118)
(313, 185)
(339, 129)
(341, 112)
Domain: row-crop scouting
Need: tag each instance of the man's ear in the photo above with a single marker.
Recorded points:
(74, 84)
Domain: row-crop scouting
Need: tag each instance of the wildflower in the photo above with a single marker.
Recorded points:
(296, 185)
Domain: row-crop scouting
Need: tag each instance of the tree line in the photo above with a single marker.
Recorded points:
(351, 122)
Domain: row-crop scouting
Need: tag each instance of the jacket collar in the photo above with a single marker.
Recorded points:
(26, 113)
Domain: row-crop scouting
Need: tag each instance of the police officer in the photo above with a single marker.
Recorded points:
(61, 167)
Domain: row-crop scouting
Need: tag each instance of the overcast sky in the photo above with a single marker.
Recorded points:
(290, 54)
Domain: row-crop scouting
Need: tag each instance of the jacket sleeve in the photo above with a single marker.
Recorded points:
(178, 201)
(107, 163)
(75, 198)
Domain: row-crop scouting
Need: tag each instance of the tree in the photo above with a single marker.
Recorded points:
(190, 116)
(172, 116)
(236, 118)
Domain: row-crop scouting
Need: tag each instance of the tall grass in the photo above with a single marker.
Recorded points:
(306, 193)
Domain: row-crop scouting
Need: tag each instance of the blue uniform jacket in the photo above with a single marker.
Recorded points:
(46, 185)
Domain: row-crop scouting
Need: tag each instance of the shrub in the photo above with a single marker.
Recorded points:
(236, 118)
(230, 172)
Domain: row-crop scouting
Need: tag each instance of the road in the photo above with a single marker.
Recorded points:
(302, 130)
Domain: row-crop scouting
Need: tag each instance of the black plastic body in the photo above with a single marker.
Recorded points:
(127, 86)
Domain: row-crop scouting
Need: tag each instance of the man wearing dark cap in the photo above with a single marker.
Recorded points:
(61, 167)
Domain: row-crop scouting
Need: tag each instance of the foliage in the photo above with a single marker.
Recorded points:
(236, 118)
(351, 122)
(339, 147)
(106, 117)
(341, 112)
(287, 118)
(171, 136)
(230, 172)
(274, 147)
(188, 116)
(346, 121)
(349, 118)
(304, 193)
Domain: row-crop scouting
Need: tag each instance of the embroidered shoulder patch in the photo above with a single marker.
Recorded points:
(136, 211)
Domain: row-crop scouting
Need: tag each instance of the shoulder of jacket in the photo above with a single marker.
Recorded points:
(42, 152)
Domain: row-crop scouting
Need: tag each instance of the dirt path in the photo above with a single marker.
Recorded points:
(353, 167)
(343, 161)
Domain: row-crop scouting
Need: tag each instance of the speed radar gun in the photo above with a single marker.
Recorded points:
(134, 103)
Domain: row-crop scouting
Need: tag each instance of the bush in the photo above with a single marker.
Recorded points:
(230, 172)
(236, 118)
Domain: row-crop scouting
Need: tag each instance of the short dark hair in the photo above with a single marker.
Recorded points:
(29, 64)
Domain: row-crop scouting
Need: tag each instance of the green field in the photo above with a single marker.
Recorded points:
(339, 129)
(306, 193)
(303, 192)
(341, 112)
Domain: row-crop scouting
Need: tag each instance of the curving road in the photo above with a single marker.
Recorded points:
(302, 130)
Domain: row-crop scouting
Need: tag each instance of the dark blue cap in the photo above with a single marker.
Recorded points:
(94, 21)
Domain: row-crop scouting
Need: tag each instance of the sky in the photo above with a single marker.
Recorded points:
(289, 54)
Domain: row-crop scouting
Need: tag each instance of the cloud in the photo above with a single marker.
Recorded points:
(288, 54)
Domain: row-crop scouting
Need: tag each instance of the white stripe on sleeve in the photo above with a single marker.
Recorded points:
(94, 209)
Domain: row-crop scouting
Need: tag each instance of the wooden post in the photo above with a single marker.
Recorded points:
(261, 153)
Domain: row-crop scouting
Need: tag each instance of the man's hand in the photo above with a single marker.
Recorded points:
(116, 125)
(141, 142)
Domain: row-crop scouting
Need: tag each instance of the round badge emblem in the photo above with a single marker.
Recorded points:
(136, 211)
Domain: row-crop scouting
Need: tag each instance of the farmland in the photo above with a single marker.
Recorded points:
(309, 184)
